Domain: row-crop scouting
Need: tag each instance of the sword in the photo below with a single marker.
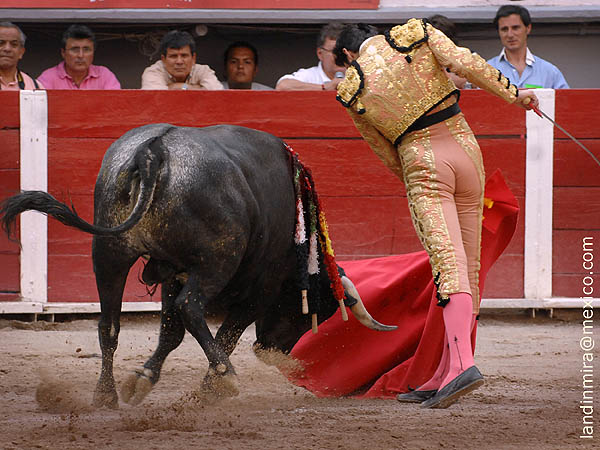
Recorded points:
(542, 114)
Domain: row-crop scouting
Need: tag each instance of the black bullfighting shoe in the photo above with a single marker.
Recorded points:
(464, 383)
(415, 396)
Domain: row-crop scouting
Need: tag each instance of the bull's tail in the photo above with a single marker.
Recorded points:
(148, 159)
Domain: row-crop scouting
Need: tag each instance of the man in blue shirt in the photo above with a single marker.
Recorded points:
(515, 61)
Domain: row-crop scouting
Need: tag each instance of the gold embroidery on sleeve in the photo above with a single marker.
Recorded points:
(469, 65)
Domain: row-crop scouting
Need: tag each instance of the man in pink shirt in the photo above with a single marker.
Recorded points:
(77, 71)
(12, 49)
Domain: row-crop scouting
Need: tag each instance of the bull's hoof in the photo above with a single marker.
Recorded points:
(105, 399)
(219, 384)
(136, 387)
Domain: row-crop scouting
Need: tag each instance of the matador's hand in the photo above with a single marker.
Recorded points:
(527, 99)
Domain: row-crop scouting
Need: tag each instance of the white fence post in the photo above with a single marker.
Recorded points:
(33, 107)
(538, 199)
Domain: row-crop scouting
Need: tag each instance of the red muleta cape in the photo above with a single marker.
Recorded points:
(346, 358)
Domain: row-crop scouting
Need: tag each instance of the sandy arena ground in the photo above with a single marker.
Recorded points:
(530, 400)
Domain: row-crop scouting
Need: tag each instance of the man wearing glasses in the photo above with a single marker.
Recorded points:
(76, 71)
(322, 76)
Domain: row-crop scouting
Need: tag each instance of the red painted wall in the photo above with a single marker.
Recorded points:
(188, 4)
(9, 182)
(365, 205)
(576, 208)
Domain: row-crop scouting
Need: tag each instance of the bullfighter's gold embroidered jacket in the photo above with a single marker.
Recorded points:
(399, 77)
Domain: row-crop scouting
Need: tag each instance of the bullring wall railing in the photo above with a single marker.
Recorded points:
(55, 140)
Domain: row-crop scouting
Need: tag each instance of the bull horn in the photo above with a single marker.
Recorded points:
(360, 312)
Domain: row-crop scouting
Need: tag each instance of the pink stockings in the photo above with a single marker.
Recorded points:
(458, 356)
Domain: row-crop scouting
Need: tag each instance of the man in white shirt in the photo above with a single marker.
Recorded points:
(324, 76)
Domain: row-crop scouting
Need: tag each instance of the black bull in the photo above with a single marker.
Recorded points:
(213, 210)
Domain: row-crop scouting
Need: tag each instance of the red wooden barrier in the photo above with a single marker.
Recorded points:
(9, 183)
(576, 207)
(365, 205)
(193, 4)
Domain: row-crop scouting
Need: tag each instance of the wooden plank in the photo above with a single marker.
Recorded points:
(362, 226)
(349, 167)
(568, 285)
(508, 155)
(576, 111)
(7, 246)
(538, 205)
(63, 240)
(194, 4)
(73, 165)
(287, 114)
(109, 114)
(568, 250)
(405, 237)
(9, 112)
(10, 155)
(573, 166)
(539, 303)
(71, 279)
(10, 273)
(576, 208)
(9, 185)
(94, 307)
(346, 168)
(34, 176)
(9, 182)
(506, 119)
(505, 278)
(11, 297)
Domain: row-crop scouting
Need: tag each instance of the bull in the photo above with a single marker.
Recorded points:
(213, 211)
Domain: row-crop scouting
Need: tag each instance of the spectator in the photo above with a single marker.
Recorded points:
(177, 68)
(447, 27)
(76, 71)
(322, 76)
(12, 49)
(515, 61)
(241, 67)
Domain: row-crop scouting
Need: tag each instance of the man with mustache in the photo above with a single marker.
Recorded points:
(177, 68)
